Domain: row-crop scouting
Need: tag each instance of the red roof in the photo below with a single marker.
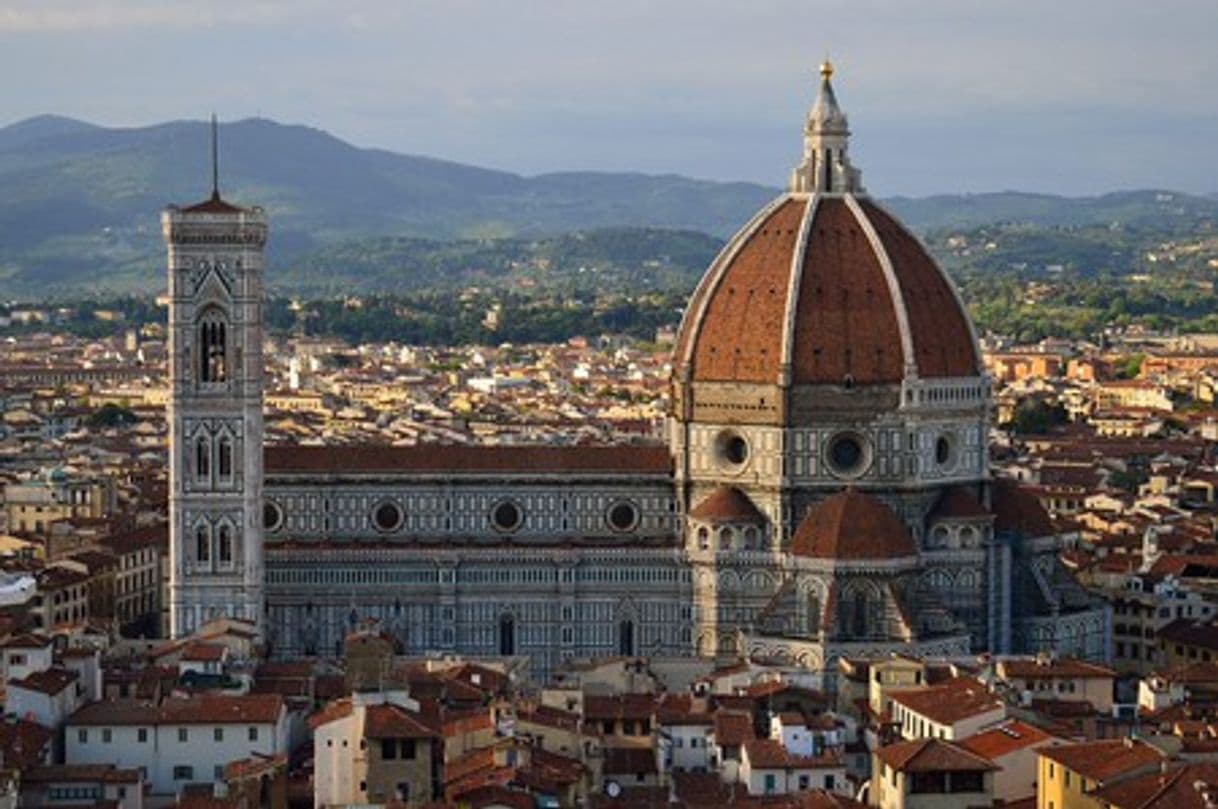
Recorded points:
(629, 761)
(1032, 668)
(852, 525)
(51, 681)
(450, 458)
(24, 744)
(1104, 760)
(769, 754)
(193, 710)
(1176, 788)
(932, 755)
(958, 503)
(1005, 739)
(214, 204)
(949, 702)
(726, 504)
(395, 722)
(80, 773)
(204, 652)
(26, 641)
(625, 706)
(846, 321)
(1016, 509)
(733, 728)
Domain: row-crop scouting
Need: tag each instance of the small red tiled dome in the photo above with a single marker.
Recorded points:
(1017, 509)
(835, 289)
(851, 525)
(726, 504)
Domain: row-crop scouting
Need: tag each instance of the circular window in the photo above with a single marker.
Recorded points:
(732, 448)
(272, 515)
(847, 455)
(943, 451)
(622, 516)
(506, 516)
(387, 516)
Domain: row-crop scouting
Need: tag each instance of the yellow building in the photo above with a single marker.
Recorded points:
(1067, 776)
(31, 506)
(21, 548)
(1061, 679)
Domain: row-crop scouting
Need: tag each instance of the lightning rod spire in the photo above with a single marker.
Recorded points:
(215, 158)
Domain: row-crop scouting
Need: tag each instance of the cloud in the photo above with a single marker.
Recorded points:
(942, 93)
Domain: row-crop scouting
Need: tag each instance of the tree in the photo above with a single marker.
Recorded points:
(112, 415)
(1036, 417)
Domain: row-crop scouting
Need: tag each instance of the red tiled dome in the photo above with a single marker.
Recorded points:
(1017, 509)
(867, 302)
(958, 503)
(852, 525)
(726, 504)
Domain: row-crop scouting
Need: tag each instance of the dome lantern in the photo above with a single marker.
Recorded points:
(826, 166)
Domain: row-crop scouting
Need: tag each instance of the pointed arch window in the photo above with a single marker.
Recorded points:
(813, 614)
(213, 347)
(224, 543)
(858, 617)
(202, 544)
(224, 458)
(625, 638)
(507, 635)
(202, 459)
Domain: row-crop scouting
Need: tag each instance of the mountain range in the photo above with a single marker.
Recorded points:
(79, 203)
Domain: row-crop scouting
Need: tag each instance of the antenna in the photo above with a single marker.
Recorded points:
(215, 158)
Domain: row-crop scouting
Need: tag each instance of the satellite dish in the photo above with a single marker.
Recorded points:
(613, 789)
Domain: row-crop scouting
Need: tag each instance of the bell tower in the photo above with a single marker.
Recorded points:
(215, 265)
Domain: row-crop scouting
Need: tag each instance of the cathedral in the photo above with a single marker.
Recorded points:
(824, 492)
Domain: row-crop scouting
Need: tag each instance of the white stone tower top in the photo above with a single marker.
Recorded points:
(825, 167)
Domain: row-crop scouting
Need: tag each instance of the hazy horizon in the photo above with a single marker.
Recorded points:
(944, 96)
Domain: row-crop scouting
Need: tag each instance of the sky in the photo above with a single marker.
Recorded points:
(944, 96)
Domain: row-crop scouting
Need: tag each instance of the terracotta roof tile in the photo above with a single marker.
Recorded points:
(943, 341)
(1174, 789)
(26, 641)
(1016, 509)
(395, 722)
(1101, 761)
(932, 755)
(845, 321)
(193, 710)
(69, 773)
(733, 728)
(213, 204)
(740, 336)
(949, 702)
(24, 744)
(726, 504)
(769, 754)
(1025, 668)
(958, 502)
(51, 681)
(445, 458)
(1005, 739)
(629, 761)
(852, 525)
